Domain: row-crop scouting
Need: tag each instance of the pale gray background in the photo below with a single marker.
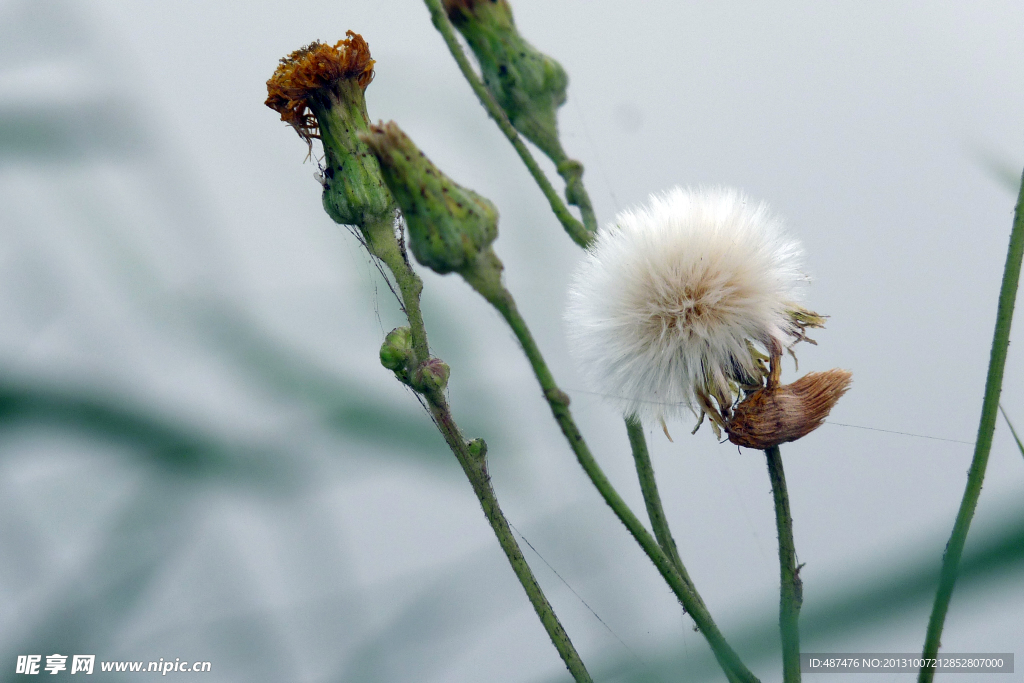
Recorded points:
(161, 236)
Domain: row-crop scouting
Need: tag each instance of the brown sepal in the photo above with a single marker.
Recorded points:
(775, 415)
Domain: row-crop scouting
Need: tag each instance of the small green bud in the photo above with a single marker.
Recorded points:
(430, 376)
(449, 225)
(319, 91)
(528, 85)
(396, 351)
(478, 448)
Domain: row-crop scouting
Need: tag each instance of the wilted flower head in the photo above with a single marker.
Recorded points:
(306, 79)
(319, 91)
(687, 303)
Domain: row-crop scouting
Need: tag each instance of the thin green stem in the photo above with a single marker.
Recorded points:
(487, 282)
(652, 499)
(1020, 446)
(655, 511)
(575, 191)
(576, 230)
(472, 457)
(474, 464)
(791, 587)
(983, 445)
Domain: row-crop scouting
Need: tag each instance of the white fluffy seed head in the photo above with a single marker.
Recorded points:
(671, 296)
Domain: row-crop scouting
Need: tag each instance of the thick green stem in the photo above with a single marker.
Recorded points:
(473, 459)
(791, 587)
(577, 231)
(983, 444)
(487, 281)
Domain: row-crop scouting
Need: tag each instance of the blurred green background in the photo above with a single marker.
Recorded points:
(201, 458)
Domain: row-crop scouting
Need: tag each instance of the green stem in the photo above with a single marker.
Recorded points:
(652, 499)
(791, 587)
(474, 464)
(575, 191)
(472, 458)
(983, 445)
(576, 230)
(486, 280)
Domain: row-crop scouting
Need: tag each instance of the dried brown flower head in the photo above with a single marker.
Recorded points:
(313, 71)
(777, 414)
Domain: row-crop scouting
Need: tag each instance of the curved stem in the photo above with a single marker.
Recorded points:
(487, 282)
(472, 458)
(986, 427)
(576, 230)
(791, 587)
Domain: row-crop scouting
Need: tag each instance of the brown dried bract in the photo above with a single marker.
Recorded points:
(775, 415)
(312, 68)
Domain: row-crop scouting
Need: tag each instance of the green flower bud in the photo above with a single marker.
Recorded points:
(396, 351)
(449, 225)
(478, 448)
(430, 376)
(318, 90)
(529, 85)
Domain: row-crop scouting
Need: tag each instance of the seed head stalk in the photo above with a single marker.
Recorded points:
(983, 444)
(791, 587)
(488, 283)
(652, 499)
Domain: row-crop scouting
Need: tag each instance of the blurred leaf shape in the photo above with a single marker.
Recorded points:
(1000, 169)
(78, 131)
(175, 446)
(883, 595)
(347, 408)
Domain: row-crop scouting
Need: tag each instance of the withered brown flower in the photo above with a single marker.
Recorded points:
(312, 72)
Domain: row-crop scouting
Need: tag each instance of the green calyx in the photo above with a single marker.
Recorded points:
(354, 189)
(449, 225)
(529, 85)
(430, 376)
